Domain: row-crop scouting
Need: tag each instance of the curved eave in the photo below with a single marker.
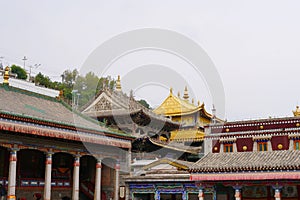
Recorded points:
(174, 148)
(166, 161)
(31, 129)
(123, 113)
(50, 123)
(189, 112)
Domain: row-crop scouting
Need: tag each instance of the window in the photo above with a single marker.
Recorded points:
(297, 144)
(228, 147)
(262, 146)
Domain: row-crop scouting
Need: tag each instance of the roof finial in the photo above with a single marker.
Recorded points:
(198, 102)
(118, 84)
(178, 94)
(171, 90)
(213, 110)
(186, 94)
(6, 76)
(131, 94)
(193, 101)
(297, 111)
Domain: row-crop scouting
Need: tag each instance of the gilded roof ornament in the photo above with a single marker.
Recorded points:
(118, 84)
(186, 94)
(6, 76)
(297, 111)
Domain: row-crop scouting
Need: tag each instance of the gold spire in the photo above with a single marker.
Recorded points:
(297, 112)
(118, 84)
(186, 94)
(6, 76)
(171, 91)
(198, 102)
(178, 94)
(193, 101)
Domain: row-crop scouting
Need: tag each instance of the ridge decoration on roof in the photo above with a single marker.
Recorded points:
(116, 105)
(175, 106)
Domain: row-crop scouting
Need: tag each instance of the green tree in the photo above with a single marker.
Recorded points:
(144, 103)
(69, 77)
(21, 73)
(40, 79)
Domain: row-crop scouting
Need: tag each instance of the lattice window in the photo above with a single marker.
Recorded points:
(228, 147)
(103, 104)
(262, 146)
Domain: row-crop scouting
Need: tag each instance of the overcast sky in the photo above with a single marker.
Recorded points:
(254, 45)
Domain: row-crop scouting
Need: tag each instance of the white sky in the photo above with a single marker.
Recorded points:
(254, 45)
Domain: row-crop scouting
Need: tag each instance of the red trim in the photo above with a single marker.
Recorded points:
(13, 157)
(62, 126)
(27, 129)
(246, 176)
(48, 162)
(117, 166)
(98, 165)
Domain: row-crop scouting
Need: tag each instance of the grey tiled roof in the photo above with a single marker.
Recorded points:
(29, 105)
(20, 102)
(122, 105)
(248, 161)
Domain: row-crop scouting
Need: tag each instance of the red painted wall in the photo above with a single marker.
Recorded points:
(215, 143)
(240, 142)
(276, 140)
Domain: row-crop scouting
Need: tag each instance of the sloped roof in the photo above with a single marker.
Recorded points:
(21, 102)
(42, 113)
(173, 162)
(176, 146)
(174, 106)
(248, 161)
(108, 103)
(182, 135)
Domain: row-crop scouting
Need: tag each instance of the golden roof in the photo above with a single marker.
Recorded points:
(175, 106)
(187, 135)
(297, 112)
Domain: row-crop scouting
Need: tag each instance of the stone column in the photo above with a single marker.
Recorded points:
(201, 194)
(76, 166)
(48, 169)
(277, 194)
(238, 194)
(291, 147)
(97, 193)
(117, 170)
(11, 193)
